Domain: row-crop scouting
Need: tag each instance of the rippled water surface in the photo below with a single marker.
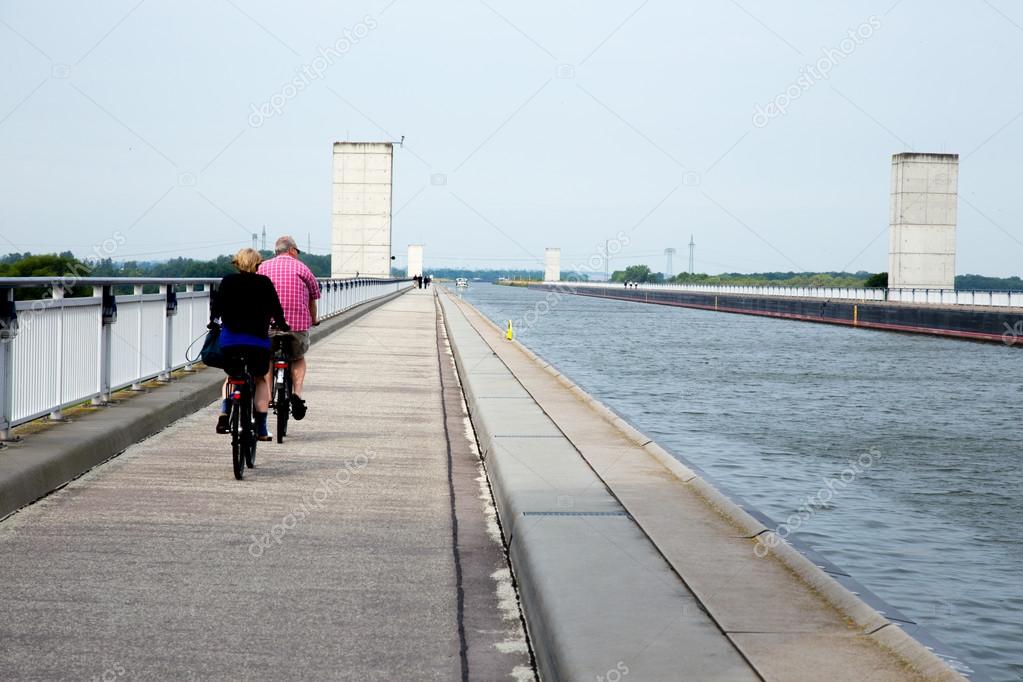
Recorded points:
(772, 409)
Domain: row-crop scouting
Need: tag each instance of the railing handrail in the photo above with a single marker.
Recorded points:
(794, 286)
(986, 298)
(72, 280)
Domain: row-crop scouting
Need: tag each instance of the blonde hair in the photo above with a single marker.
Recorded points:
(247, 260)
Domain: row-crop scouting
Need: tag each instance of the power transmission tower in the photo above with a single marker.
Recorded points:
(668, 253)
(255, 240)
(264, 238)
(309, 241)
(692, 247)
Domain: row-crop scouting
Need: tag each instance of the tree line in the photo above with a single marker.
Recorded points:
(643, 274)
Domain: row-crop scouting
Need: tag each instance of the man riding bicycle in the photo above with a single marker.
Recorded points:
(298, 291)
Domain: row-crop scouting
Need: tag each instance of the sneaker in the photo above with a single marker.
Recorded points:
(222, 424)
(297, 408)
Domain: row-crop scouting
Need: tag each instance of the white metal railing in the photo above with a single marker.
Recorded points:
(60, 351)
(1005, 299)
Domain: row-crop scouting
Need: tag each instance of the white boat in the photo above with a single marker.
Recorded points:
(461, 282)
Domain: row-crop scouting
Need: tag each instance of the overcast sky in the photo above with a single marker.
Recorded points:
(128, 127)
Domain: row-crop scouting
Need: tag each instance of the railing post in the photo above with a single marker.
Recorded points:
(8, 330)
(170, 310)
(57, 293)
(108, 316)
(137, 384)
(190, 288)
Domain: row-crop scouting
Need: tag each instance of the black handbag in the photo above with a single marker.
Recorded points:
(212, 354)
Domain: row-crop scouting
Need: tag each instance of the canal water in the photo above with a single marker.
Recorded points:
(903, 453)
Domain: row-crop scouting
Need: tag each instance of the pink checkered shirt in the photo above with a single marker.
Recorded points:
(295, 285)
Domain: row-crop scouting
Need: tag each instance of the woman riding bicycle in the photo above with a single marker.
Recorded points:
(246, 302)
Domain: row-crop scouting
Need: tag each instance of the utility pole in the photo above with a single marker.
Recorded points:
(668, 253)
(692, 246)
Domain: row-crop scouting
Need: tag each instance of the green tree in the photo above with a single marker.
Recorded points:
(880, 280)
(64, 265)
(635, 273)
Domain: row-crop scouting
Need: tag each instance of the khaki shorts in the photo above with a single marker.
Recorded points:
(298, 342)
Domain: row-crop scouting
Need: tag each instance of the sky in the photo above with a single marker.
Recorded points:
(152, 129)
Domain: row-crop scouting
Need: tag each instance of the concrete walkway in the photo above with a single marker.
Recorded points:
(358, 549)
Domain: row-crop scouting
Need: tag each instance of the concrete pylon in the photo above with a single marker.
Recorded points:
(922, 239)
(552, 265)
(361, 209)
(415, 260)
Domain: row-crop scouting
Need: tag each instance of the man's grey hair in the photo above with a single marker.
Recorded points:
(284, 244)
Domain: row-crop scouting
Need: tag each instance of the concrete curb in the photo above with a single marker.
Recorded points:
(869, 621)
(44, 462)
(583, 623)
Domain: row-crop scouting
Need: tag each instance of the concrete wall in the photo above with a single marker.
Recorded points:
(552, 265)
(922, 241)
(965, 322)
(415, 260)
(361, 210)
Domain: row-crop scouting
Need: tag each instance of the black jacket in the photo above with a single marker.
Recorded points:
(246, 302)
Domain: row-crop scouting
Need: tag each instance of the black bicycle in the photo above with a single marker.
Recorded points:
(280, 393)
(241, 392)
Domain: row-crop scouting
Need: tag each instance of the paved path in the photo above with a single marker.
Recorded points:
(336, 558)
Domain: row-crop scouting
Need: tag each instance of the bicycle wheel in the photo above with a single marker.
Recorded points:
(237, 446)
(283, 405)
(250, 439)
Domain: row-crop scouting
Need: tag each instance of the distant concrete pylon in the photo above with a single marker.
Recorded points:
(668, 253)
(361, 209)
(415, 260)
(924, 203)
(692, 247)
(552, 265)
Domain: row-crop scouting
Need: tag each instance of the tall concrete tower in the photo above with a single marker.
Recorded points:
(668, 270)
(361, 209)
(415, 260)
(922, 241)
(552, 265)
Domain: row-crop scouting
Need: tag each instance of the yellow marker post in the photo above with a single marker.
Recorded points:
(509, 334)
(856, 315)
